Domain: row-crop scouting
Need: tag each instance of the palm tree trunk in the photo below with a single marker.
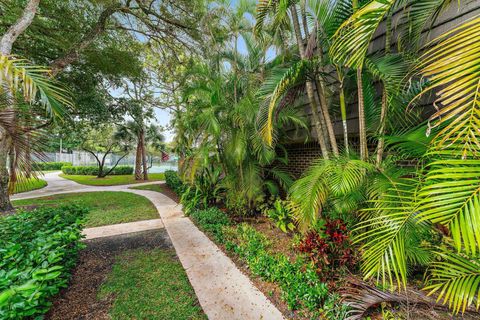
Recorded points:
(326, 116)
(361, 118)
(138, 159)
(343, 110)
(144, 156)
(383, 112)
(5, 204)
(361, 107)
(6, 43)
(316, 122)
(381, 131)
(323, 99)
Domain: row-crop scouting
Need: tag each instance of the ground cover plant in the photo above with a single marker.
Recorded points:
(91, 180)
(105, 208)
(39, 248)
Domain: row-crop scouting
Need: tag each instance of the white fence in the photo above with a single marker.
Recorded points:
(82, 158)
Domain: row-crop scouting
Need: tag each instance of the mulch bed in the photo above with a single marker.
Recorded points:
(79, 300)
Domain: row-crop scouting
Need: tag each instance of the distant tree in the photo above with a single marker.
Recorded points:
(101, 143)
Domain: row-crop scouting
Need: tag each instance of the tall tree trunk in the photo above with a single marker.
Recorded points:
(316, 122)
(144, 156)
(381, 131)
(343, 110)
(6, 43)
(138, 159)
(28, 157)
(361, 107)
(361, 118)
(383, 112)
(5, 204)
(326, 116)
(321, 92)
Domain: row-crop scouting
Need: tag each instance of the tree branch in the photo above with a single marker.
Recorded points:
(116, 164)
(19, 27)
(73, 54)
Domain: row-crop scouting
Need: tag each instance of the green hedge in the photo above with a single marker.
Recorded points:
(37, 251)
(93, 170)
(174, 182)
(49, 166)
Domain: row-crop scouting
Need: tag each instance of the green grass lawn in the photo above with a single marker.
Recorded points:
(150, 284)
(150, 187)
(29, 185)
(105, 207)
(111, 180)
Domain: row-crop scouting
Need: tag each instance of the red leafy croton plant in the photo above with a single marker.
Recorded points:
(331, 250)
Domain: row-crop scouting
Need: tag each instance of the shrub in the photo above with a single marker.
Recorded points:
(174, 182)
(330, 250)
(38, 249)
(121, 170)
(281, 215)
(212, 221)
(93, 170)
(48, 166)
(301, 287)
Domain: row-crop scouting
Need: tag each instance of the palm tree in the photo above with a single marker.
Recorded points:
(32, 84)
(279, 10)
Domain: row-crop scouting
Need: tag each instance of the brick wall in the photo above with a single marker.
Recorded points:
(300, 157)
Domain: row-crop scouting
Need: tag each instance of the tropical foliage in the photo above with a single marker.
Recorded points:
(408, 191)
(39, 249)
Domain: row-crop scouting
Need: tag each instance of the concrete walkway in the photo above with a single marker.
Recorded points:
(223, 291)
(122, 228)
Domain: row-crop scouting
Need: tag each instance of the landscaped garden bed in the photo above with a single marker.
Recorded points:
(306, 276)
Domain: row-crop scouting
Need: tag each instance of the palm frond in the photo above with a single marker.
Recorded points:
(351, 41)
(451, 65)
(456, 280)
(418, 18)
(451, 197)
(384, 236)
(34, 84)
(282, 83)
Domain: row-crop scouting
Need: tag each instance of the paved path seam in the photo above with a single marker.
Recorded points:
(122, 228)
(223, 291)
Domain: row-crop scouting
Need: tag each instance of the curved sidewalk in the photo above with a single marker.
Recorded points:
(223, 291)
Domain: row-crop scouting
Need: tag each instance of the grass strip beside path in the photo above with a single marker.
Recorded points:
(150, 284)
(106, 207)
(150, 187)
(29, 185)
(111, 180)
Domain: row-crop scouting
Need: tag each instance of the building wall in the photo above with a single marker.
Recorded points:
(302, 154)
